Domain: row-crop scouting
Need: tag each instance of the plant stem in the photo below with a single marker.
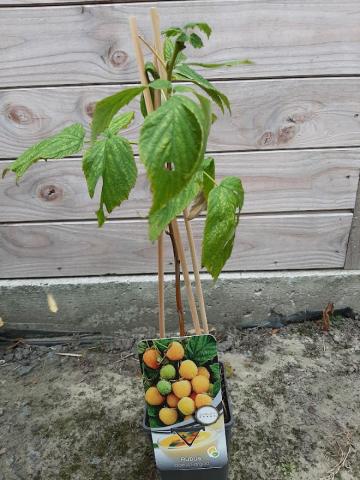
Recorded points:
(179, 303)
(211, 178)
(155, 53)
(198, 287)
(177, 49)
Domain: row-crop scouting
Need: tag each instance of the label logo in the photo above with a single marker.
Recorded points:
(207, 415)
(213, 452)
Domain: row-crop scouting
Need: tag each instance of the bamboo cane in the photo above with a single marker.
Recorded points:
(150, 108)
(198, 287)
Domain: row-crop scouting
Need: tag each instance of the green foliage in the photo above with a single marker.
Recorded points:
(109, 106)
(162, 344)
(216, 378)
(120, 122)
(113, 160)
(172, 136)
(172, 146)
(68, 142)
(201, 349)
(184, 72)
(224, 204)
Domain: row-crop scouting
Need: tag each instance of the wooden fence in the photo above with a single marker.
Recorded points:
(293, 138)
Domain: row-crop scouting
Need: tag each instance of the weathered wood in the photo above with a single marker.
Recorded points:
(273, 181)
(91, 43)
(265, 242)
(267, 114)
(352, 261)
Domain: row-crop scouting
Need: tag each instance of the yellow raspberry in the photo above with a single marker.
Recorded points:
(182, 388)
(175, 351)
(168, 416)
(202, 399)
(172, 400)
(200, 384)
(204, 372)
(186, 406)
(153, 397)
(188, 369)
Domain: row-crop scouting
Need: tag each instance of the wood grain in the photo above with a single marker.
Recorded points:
(265, 242)
(273, 181)
(352, 261)
(267, 114)
(81, 44)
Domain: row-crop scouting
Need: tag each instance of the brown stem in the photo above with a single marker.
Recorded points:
(179, 303)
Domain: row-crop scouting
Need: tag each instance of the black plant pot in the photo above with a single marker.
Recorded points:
(202, 473)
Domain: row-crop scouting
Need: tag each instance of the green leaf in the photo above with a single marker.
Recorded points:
(160, 84)
(142, 346)
(155, 422)
(184, 72)
(201, 349)
(169, 47)
(113, 160)
(196, 41)
(150, 68)
(153, 411)
(65, 143)
(109, 106)
(209, 171)
(215, 378)
(224, 204)
(120, 122)
(174, 135)
(172, 32)
(230, 63)
(203, 27)
(162, 217)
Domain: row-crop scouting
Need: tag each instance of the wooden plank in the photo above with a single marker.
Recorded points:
(274, 182)
(265, 242)
(267, 114)
(83, 44)
(353, 250)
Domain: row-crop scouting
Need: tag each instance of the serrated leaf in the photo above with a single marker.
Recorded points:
(224, 204)
(203, 27)
(65, 143)
(109, 106)
(184, 72)
(201, 349)
(162, 217)
(174, 135)
(120, 122)
(230, 63)
(172, 32)
(169, 47)
(113, 160)
(160, 84)
(209, 176)
(196, 41)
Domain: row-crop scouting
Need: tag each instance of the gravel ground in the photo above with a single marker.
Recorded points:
(295, 395)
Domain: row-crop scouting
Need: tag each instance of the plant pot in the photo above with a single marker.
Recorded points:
(202, 473)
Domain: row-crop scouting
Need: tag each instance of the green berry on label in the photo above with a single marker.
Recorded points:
(168, 372)
(164, 387)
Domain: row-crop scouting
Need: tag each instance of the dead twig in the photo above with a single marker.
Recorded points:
(327, 314)
(343, 457)
(124, 358)
(64, 354)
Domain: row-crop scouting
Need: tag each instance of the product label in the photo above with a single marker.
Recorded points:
(183, 392)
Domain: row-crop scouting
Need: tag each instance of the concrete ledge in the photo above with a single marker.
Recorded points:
(110, 304)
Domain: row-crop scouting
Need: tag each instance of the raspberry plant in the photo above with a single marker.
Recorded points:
(172, 146)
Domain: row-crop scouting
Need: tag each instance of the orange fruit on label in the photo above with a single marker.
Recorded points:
(204, 372)
(153, 397)
(186, 406)
(182, 388)
(168, 416)
(175, 351)
(188, 369)
(172, 400)
(152, 358)
(200, 384)
(202, 400)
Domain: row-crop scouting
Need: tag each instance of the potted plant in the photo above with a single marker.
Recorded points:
(177, 105)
